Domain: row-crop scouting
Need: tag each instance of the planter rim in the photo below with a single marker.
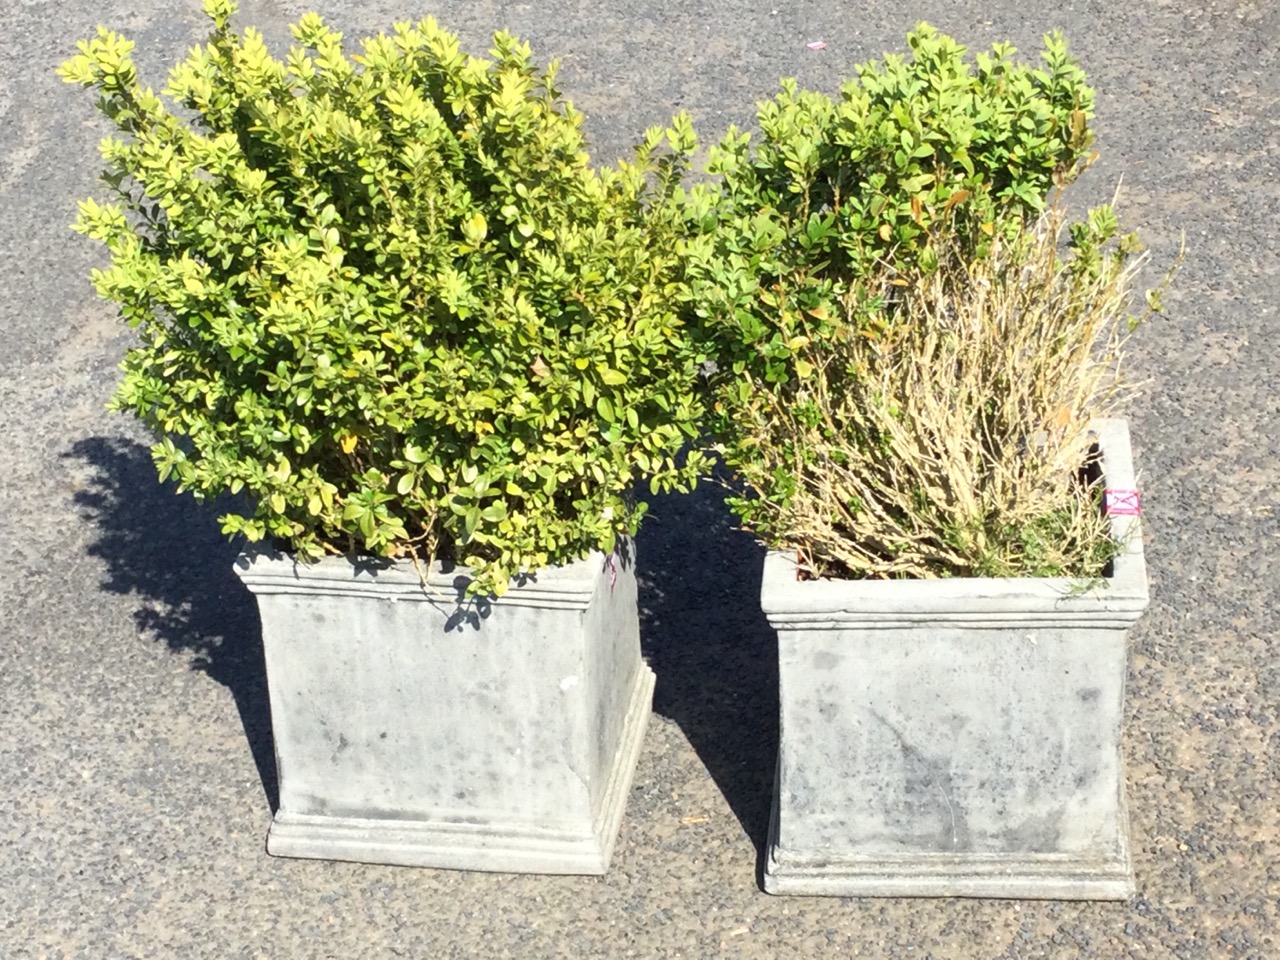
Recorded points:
(265, 569)
(1124, 593)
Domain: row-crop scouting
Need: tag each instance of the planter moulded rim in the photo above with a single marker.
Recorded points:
(266, 569)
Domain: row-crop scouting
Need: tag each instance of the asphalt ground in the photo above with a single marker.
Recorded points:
(136, 772)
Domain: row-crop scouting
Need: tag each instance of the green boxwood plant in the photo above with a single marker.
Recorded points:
(388, 298)
(834, 188)
(801, 258)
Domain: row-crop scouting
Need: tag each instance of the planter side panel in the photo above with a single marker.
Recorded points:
(951, 741)
(613, 668)
(385, 710)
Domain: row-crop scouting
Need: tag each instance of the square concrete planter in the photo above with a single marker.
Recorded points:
(955, 737)
(411, 730)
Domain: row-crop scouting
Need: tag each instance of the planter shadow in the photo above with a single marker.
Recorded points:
(715, 655)
(168, 552)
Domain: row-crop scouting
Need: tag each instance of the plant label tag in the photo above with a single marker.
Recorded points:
(1122, 503)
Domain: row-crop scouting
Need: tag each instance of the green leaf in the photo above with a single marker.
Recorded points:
(475, 229)
(610, 376)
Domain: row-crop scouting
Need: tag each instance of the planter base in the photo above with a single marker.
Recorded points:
(477, 843)
(1009, 876)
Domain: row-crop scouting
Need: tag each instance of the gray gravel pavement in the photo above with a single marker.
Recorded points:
(136, 773)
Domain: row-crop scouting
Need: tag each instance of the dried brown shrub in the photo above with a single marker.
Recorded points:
(944, 430)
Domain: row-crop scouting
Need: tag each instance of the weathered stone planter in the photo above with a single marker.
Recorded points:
(955, 737)
(410, 730)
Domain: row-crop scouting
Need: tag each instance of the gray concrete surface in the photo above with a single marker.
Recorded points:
(136, 776)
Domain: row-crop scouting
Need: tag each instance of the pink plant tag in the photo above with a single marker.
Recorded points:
(817, 45)
(1123, 503)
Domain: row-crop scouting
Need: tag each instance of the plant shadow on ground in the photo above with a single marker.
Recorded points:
(168, 551)
(715, 656)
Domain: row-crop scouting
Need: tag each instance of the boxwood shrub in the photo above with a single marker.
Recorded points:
(794, 245)
(387, 297)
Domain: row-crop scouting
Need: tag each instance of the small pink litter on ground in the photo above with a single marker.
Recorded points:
(817, 45)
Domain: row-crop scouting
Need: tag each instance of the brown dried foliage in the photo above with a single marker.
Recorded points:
(944, 432)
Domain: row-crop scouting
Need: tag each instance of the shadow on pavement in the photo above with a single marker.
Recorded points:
(711, 647)
(168, 551)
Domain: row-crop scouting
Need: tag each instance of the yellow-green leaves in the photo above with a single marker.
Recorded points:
(220, 12)
(104, 223)
(386, 298)
(474, 229)
(103, 62)
(610, 376)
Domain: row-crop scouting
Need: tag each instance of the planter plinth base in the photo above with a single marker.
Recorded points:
(477, 843)
(1011, 876)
